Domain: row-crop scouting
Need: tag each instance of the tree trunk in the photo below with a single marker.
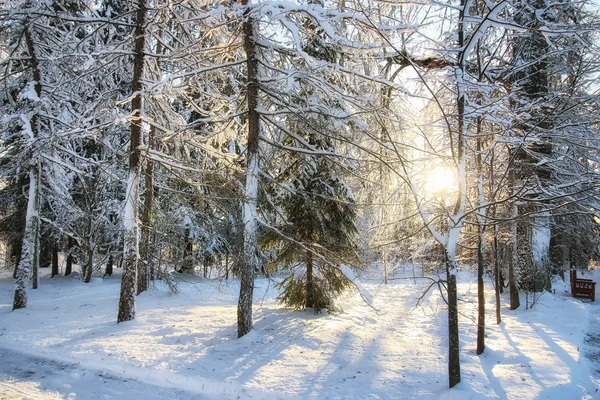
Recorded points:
(29, 262)
(109, 265)
(69, 266)
(250, 261)
(453, 338)
(514, 261)
(456, 220)
(496, 250)
(90, 266)
(480, 295)
(187, 266)
(310, 290)
(147, 269)
(54, 261)
(130, 223)
(497, 279)
(30, 247)
(16, 250)
(481, 226)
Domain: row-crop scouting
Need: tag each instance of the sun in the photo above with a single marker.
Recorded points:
(441, 180)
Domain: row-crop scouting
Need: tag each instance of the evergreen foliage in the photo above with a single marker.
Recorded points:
(318, 230)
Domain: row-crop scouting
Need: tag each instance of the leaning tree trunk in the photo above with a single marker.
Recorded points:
(130, 224)
(250, 260)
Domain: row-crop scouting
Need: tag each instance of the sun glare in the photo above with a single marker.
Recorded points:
(441, 180)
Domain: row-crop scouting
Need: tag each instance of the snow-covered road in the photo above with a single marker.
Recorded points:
(23, 376)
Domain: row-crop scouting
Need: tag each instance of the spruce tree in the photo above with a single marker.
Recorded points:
(318, 234)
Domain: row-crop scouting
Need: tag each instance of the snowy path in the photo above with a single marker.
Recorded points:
(23, 376)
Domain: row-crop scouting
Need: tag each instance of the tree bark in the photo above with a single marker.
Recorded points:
(147, 269)
(29, 262)
(144, 276)
(480, 294)
(481, 245)
(310, 290)
(498, 282)
(54, 261)
(453, 338)
(109, 265)
(514, 261)
(130, 223)
(250, 261)
(30, 247)
(451, 242)
(15, 255)
(187, 266)
(69, 266)
(90, 266)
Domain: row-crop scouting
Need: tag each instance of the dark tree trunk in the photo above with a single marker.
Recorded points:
(131, 239)
(15, 252)
(496, 250)
(513, 262)
(453, 339)
(451, 265)
(481, 245)
(498, 281)
(480, 296)
(69, 266)
(310, 290)
(250, 261)
(146, 269)
(54, 261)
(187, 265)
(109, 265)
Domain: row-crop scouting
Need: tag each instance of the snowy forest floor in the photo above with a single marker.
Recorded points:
(66, 344)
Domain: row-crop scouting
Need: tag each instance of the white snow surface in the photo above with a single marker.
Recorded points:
(67, 344)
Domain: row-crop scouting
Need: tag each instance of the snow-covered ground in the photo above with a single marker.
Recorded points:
(67, 345)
